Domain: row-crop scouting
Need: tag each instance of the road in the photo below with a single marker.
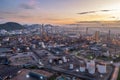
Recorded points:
(115, 73)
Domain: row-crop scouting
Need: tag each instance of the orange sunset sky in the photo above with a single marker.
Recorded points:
(59, 11)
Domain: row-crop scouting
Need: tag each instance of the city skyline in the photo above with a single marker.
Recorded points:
(58, 11)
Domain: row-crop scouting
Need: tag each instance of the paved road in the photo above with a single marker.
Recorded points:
(115, 73)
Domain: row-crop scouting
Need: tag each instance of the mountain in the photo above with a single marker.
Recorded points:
(32, 26)
(11, 26)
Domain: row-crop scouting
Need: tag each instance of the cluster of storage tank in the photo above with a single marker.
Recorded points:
(81, 69)
(90, 67)
(59, 60)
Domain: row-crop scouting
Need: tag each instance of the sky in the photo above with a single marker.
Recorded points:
(58, 11)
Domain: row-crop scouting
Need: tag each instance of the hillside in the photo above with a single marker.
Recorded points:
(11, 26)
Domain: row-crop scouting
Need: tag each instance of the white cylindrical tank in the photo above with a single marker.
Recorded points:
(50, 61)
(82, 69)
(28, 48)
(60, 61)
(33, 46)
(101, 68)
(43, 45)
(71, 66)
(68, 60)
(64, 59)
(0, 44)
(18, 49)
(91, 67)
(82, 66)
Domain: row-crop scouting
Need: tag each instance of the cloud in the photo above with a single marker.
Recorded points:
(58, 19)
(6, 12)
(105, 10)
(1, 18)
(23, 16)
(32, 2)
(92, 12)
(89, 12)
(29, 5)
(86, 21)
(112, 17)
(26, 6)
